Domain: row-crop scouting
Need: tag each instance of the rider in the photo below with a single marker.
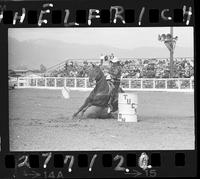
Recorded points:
(113, 73)
(105, 66)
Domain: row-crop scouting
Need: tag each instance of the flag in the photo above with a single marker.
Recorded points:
(65, 92)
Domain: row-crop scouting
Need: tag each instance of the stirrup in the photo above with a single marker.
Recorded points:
(109, 110)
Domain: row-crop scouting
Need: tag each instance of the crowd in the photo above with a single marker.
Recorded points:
(137, 68)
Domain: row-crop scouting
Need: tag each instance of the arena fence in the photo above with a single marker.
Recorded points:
(129, 84)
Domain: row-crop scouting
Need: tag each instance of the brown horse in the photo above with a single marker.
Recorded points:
(100, 95)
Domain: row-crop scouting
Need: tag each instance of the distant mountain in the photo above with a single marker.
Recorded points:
(32, 53)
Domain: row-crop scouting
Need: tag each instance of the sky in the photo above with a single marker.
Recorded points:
(125, 38)
(34, 46)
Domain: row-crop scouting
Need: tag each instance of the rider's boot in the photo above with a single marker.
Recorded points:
(110, 107)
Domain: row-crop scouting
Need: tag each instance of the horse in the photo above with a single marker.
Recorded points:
(101, 93)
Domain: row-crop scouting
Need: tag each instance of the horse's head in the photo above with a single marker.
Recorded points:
(95, 73)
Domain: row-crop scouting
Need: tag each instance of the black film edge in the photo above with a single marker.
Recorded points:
(93, 163)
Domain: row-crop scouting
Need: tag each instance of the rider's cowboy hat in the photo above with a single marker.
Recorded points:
(115, 59)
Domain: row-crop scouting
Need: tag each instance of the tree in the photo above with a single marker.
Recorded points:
(43, 68)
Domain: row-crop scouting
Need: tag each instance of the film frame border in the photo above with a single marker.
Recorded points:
(165, 168)
(106, 164)
(91, 14)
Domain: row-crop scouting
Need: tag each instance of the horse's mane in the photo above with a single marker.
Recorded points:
(101, 73)
(100, 84)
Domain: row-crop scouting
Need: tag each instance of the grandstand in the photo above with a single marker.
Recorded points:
(145, 67)
(61, 65)
(140, 74)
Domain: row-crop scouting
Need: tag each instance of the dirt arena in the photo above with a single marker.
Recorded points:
(40, 120)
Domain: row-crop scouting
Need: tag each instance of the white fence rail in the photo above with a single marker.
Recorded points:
(130, 84)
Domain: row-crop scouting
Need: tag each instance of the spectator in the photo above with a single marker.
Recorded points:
(136, 68)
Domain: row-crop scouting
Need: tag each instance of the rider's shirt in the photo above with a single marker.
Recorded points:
(105, 66)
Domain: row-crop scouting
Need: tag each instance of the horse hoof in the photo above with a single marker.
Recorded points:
(74, 116)
(109, 110)
(81, 117)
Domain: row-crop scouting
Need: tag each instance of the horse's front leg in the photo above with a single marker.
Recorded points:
(83, 111)
(81, 108)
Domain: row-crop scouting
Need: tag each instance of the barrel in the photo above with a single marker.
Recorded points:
(127, 104)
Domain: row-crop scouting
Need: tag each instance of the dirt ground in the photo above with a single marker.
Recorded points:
(40, 120)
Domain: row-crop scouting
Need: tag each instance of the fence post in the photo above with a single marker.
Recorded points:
(129, 83)
(18, 82)
(54, 81)
(141, 83)
(75, 81)
(45, 79)
(179, 84)
(64, 81)
(165, 83)
(36, 82)
(154, 83)
(85, 82)
(27, 82)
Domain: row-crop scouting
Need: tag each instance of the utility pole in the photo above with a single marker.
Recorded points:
(171, 54)
(170, 42)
